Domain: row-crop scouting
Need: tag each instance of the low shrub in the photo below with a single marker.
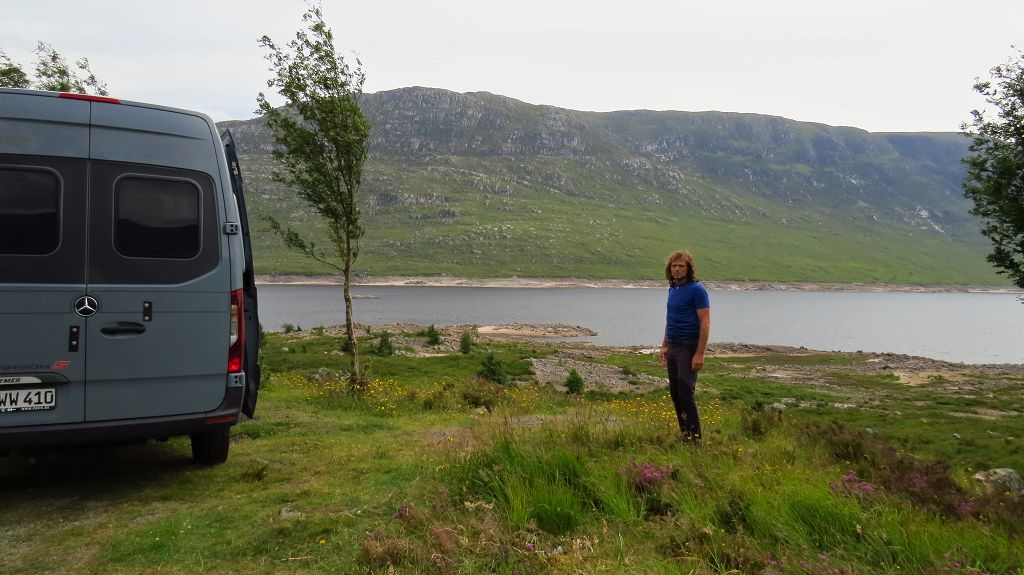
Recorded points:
(574, 382)
(492, 370)
(650, 483)
(757, 419)
(433, 336)
(384, 345)
(466, 342)
(481, 395)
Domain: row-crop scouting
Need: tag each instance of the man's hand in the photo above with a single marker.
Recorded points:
(664, 350)
(697, 362)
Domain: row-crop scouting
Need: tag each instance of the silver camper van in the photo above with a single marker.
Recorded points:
(127, 304)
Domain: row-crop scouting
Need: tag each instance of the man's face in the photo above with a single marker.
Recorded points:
(679, 269)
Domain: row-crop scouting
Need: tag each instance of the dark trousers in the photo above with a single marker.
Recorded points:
(682, 382)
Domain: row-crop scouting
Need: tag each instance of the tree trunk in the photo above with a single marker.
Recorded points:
(355, 376)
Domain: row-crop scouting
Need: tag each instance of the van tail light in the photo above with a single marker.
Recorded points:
(236, 344)
(88, 97)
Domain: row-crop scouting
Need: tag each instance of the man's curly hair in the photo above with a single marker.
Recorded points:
(691, 272)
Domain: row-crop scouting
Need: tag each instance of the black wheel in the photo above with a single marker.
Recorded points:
(211, 448)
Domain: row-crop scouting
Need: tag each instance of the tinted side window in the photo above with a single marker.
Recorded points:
(42, 242)
(157, 218)
(151, 224)
(29, 211)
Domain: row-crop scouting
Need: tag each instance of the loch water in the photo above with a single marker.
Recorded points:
(971, 328)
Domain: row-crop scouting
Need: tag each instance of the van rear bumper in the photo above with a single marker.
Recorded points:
(124, 430)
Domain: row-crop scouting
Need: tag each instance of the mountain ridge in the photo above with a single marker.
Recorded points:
(481, 185)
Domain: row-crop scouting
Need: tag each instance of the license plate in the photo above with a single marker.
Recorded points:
(27, 400)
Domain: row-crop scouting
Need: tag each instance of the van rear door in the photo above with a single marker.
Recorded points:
(43, 151)
(252, 317)
(158, 266)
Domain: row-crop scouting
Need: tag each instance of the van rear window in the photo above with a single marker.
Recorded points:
(157, 218)
(29, 211)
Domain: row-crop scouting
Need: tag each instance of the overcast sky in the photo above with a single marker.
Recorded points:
(893, 65)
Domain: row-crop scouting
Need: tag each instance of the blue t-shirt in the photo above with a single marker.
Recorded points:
(681, 322)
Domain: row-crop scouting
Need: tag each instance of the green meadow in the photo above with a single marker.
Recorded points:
(822, 463)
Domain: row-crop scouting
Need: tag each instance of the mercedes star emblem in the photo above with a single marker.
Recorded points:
(86, 305)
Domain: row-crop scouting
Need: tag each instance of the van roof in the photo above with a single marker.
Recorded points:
(54, 124)
(103, 99)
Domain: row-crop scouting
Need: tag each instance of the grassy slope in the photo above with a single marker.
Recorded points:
(417, 477)
(559, 218)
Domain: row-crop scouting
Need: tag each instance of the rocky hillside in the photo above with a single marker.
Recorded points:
(483, 185)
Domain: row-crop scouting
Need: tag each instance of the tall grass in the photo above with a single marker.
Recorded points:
(767, 494)
(441, 472)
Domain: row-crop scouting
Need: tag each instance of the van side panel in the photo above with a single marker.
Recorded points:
(43, 166)
(156, 243)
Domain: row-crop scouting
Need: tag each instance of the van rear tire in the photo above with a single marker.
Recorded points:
(211, 448)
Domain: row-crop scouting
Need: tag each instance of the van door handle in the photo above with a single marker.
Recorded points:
(123, 328)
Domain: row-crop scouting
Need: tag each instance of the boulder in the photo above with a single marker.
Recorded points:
(1002, 480)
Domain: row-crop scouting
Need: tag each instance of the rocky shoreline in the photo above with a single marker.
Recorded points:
(908, 368)
(517, 282)
(911, 372)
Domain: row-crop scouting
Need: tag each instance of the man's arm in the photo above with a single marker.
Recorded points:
(704, 315)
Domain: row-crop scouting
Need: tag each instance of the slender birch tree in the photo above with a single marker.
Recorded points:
(322, 137)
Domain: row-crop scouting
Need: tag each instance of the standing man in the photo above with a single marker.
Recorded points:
(687, 325)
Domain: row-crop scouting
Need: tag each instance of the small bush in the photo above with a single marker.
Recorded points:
(440, 396)
(492, 370)
(650, 483)
(481, 395)
(647, 476)
(466, 342)
(384, 345)
(843, 442)
(574, 383)
(433, 336)
(757, 419)
(287, 327)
